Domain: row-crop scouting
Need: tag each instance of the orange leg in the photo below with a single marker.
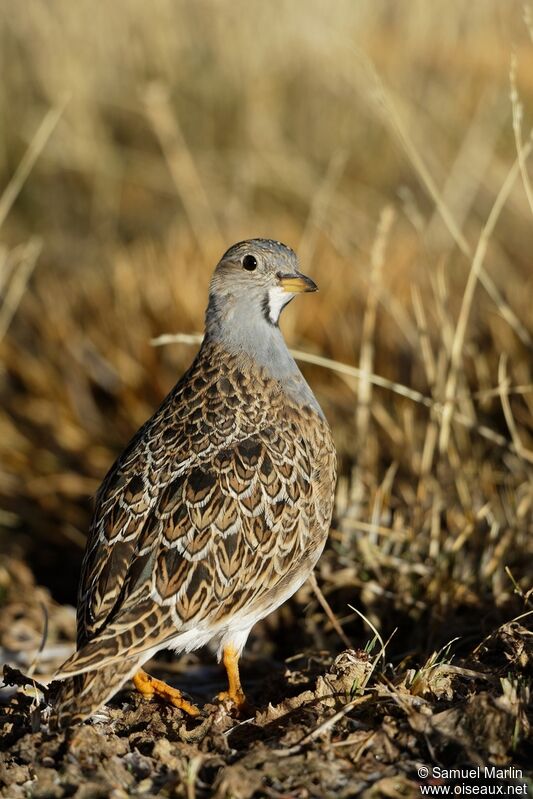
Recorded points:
(234, 693)
(150, 687)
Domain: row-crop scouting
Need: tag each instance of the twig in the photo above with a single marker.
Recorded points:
(369, 322)
(464, 314)
(317, 360)
(503, 380)
(488, 393)
(359, 700)
(195, 763)
(517, 588)
(393, 120)
(317, 731)
(353, 371)
(17, 284)
(322, 199)
(528, 20)
(400, 534)
(35, 148)
(42, 645)
(518, 112)
(328, 611)
(183, 169)
(505, 623)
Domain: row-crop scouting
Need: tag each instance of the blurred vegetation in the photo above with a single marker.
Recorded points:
(375, 138)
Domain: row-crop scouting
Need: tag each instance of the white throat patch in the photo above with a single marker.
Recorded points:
(277, 299)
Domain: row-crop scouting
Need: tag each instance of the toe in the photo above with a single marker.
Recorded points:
(150, 687)
(175, 698)
(236, 699)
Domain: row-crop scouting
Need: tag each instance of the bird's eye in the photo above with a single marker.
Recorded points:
(249, 263)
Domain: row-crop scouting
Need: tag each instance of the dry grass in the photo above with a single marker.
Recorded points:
(389, 143)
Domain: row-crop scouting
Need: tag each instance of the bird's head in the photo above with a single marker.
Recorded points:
(257, 278)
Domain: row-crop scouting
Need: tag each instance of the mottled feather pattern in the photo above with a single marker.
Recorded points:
(224, 489)
(219, 507)
(80, 696)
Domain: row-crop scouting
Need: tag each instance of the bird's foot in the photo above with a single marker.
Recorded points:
(150, 686)
(234, 695)
(236, 699)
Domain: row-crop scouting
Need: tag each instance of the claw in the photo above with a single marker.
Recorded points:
(236, 698)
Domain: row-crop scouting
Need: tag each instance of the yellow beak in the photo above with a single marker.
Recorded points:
(296, 284)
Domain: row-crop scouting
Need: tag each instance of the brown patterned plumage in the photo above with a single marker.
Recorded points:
(219, 507)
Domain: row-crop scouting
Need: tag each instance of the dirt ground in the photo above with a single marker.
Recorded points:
(319, 726)
(389, 144)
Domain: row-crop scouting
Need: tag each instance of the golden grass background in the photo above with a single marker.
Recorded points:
(374, 137)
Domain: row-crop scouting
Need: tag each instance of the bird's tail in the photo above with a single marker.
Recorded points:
(77, 698)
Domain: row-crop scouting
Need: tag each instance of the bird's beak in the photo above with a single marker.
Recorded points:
(297, 283)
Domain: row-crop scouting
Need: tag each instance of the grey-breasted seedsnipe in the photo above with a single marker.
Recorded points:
(217, 510)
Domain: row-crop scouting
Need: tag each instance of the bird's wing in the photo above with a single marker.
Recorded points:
(198, 541)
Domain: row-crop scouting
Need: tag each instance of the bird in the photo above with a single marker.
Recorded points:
(217, 510)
